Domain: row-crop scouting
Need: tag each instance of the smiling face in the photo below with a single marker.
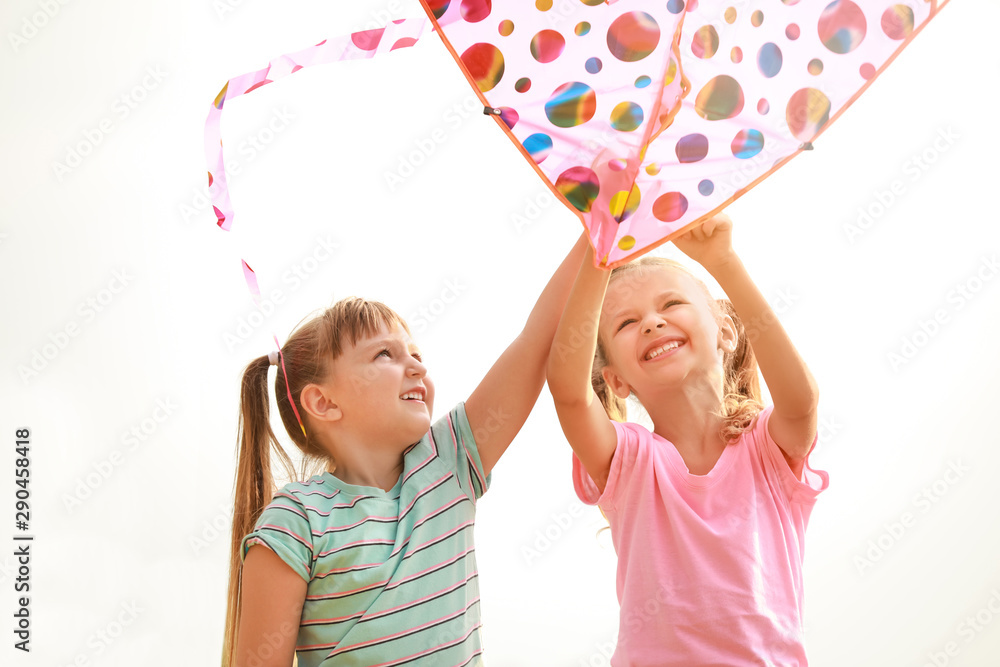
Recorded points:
(658, 330)
(381, 388)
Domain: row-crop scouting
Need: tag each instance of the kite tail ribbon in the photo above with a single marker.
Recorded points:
(251, 278)
(365, 44)
(358, 45)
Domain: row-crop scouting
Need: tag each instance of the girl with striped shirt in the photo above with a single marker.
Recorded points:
(371, 562)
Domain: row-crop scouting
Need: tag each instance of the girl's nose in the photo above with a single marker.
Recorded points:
(652, 323)
(417, 369)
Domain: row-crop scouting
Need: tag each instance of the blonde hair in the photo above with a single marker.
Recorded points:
(307, 355)
(741, 401)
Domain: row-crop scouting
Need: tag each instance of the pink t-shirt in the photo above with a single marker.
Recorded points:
(709, 566)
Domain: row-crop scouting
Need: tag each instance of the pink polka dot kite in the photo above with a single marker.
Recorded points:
(644, 118)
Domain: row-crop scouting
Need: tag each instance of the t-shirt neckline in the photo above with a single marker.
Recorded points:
(357, 490)
(722, 464)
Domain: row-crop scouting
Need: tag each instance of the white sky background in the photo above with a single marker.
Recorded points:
(129, 553)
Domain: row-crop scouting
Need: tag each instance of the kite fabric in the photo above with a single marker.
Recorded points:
(644, 118)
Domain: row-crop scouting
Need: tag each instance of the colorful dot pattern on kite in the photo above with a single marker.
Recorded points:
(648, 116)
(645, 117)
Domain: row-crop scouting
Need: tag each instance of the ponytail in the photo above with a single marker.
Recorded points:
(306, 355)
(254, 484)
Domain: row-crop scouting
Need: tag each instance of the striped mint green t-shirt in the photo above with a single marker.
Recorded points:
(392, 575)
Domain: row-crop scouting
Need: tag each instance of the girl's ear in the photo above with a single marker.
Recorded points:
(615, 383)
(728, 337)
(319, 403)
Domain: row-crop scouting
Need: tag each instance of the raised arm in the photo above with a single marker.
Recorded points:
(581, 415)
(793, 419)
(501, 403)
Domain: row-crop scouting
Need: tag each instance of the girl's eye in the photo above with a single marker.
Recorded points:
(418, 357)
(622, 325)
(671, 303)
(385, 352)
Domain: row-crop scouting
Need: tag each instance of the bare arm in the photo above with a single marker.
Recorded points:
(794, 417)
(272, 595)
(501, 403)
(581, 415)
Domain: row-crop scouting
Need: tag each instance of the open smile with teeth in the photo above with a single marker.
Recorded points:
(662, 349)
(413, 396)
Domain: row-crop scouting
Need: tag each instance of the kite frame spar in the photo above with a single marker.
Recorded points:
(936, 6)
(406, 32)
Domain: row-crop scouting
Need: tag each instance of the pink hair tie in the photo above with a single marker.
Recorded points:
(281, 357)
(275, 357)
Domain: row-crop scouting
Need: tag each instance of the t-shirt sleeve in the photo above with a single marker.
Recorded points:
(585, 487)
(798, 490)
(283, 527)
(457, 446)
(622, 463)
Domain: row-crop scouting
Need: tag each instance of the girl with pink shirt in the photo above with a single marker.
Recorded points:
(708, 510)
